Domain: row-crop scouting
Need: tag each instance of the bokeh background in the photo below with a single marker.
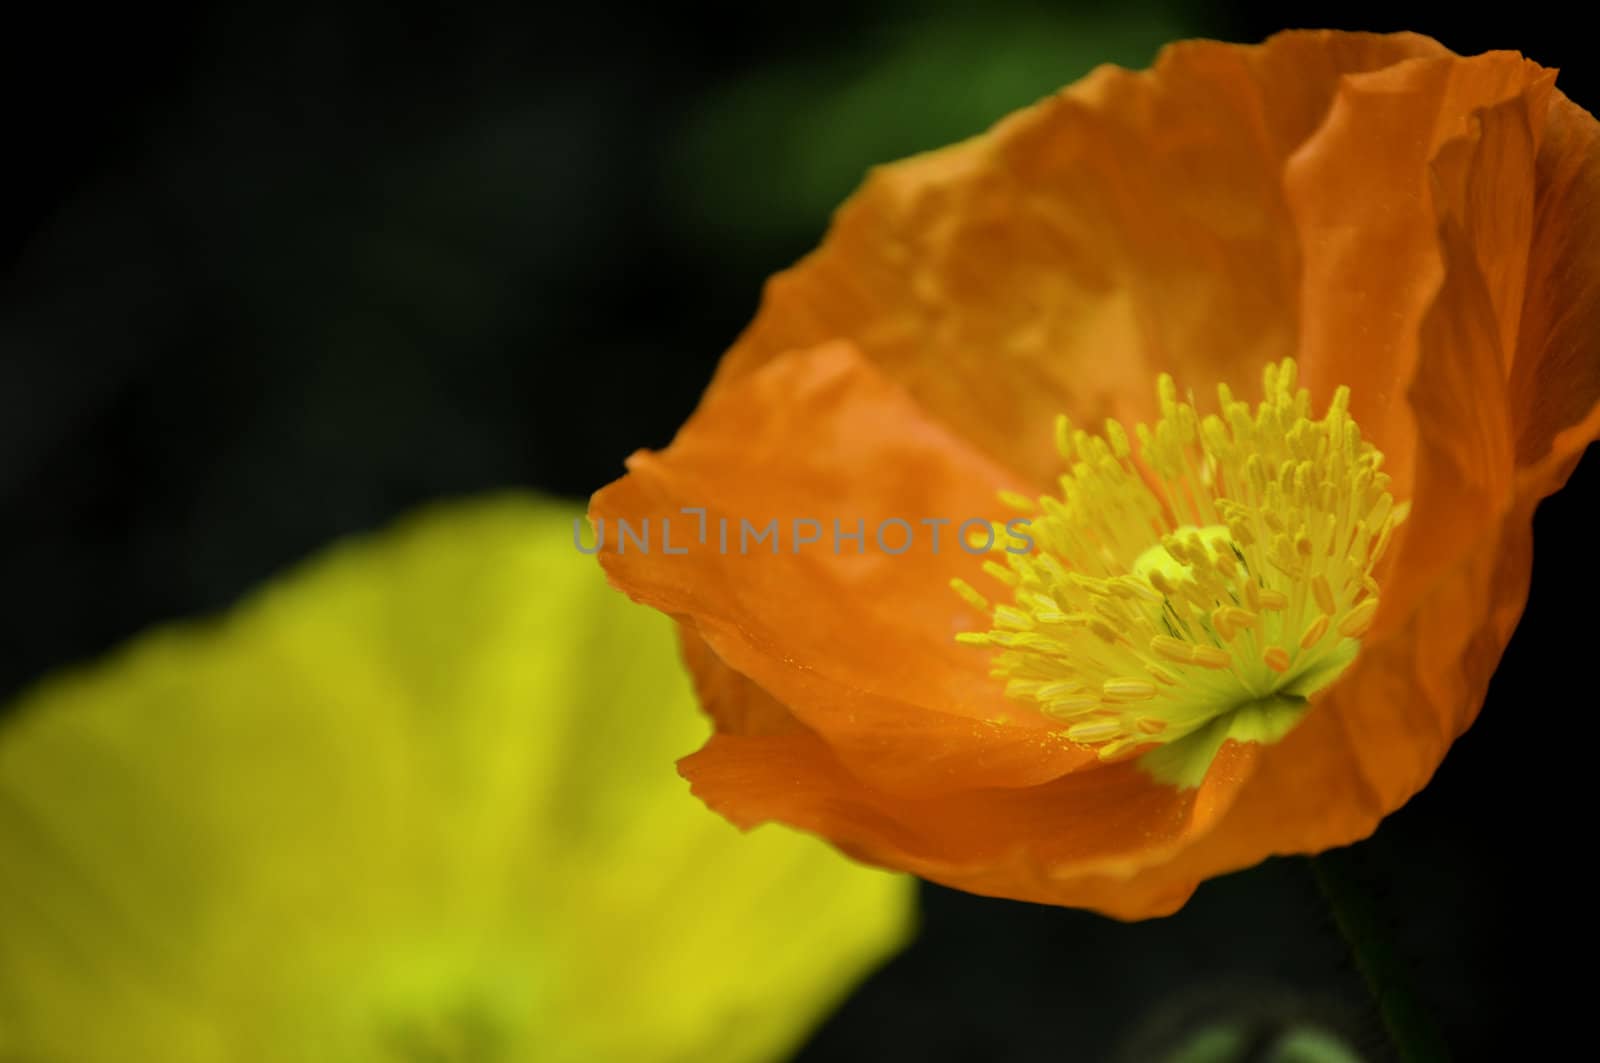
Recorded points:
(275, 272)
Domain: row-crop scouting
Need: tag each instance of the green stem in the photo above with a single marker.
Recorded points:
(1411, 1030)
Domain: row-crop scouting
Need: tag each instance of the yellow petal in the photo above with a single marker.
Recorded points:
(414, 800)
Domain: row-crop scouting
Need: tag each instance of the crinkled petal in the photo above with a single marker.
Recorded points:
(1080, 840)
(1481, 229)
(860, 645)
(1133, 224)
(1362, 191)
(1555, 378)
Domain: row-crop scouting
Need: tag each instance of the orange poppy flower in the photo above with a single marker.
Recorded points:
(1251, 627)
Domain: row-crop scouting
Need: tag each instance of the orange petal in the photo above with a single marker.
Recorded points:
(1496, 429)
(1362, 193)
(859, 645)
(1379, 733)
(736, 705)
(1134, 223)
(1096, 838)
(1555, 378)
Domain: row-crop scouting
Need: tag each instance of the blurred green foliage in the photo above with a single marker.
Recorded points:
(768, 154)
(1228, 1044)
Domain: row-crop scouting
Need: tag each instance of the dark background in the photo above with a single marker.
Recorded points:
(275, 272)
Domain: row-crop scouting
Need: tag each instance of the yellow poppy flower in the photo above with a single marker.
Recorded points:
(413, 801)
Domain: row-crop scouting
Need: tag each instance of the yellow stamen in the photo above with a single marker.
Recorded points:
(1020, 503)
(1198, 584)
(969, 595)
(1172, 649)
(1127, 690)
(1356, 622)
(1314, 633)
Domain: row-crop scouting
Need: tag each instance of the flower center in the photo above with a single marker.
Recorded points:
(1201, 592)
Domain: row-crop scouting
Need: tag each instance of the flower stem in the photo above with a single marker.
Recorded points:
(1411, 1030)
